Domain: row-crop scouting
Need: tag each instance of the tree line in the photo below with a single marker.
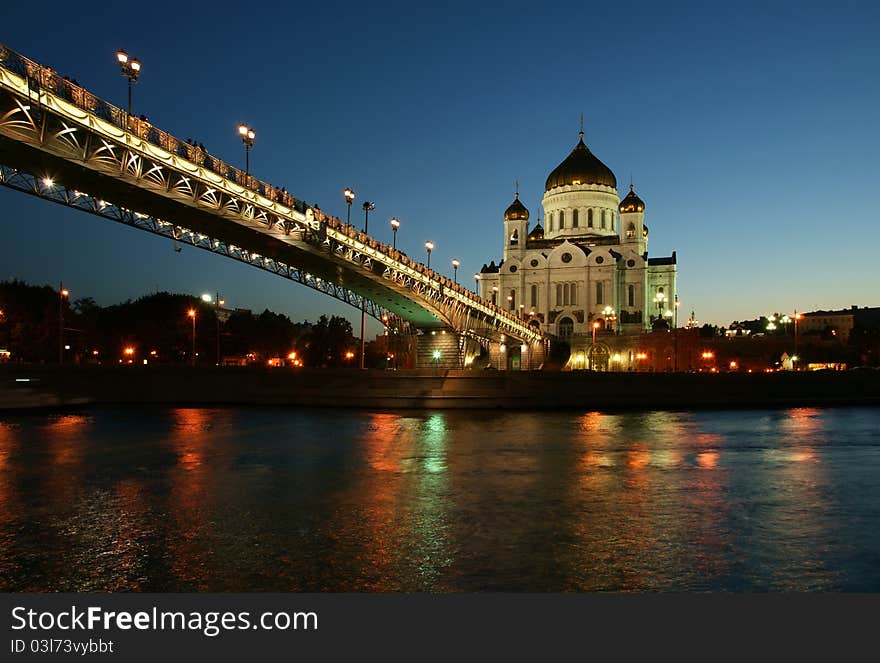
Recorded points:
(37, 323)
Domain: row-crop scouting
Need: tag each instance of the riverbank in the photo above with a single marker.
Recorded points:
(25, 387)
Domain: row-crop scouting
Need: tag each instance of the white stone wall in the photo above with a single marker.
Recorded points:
(602, 200)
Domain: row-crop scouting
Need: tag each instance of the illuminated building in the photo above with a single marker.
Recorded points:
(588, 263)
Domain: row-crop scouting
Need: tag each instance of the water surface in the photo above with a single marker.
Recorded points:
(334, 500)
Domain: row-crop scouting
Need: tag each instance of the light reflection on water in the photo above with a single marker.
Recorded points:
(269, 499)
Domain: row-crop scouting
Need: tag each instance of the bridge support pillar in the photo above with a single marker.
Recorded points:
(514, 355)
(445, 349)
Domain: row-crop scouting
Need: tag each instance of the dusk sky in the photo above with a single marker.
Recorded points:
(750, 131)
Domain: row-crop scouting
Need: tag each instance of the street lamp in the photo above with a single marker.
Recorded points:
(62, 294)
(455, 265)
(395, 224)
(593, 346)
(494, 294)
(368, 207)
(247, 137)
(477, 284)
(349, 199)
(192, 314)
(217, 304)
(797, 317)
(659, 298)
(131, 69)
(429, 246)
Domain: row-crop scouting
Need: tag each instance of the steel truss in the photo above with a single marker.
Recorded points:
(56, 193)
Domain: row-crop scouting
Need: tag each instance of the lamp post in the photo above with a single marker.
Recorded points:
(395, 224)
(477, 284)
(675, 336)
(368, 207)
(62, 294)
(660, 298)
(131, 69)
(495, 294)
(455, 264)
(593, 346)
(192, 314)
(797, 317)
(217, 304)
(247, 137)
(429, 246)
(349, 199)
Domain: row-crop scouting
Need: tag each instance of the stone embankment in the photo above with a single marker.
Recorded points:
(23, 387)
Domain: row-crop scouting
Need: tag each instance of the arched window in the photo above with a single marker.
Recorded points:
(613, 217)
(559, 294)
(589, 218)
(660, 289)
(631, 295)
(574, 294)
(561, 220)
(550, 221)
(631, 231)
(604, 215)
(565, 295)
(574, 219)
(534, 296)
(514, 238)
(566, 328)
(600, 292)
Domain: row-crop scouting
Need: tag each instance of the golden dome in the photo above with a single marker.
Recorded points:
(581, 167)
(537, 232)
(632, 203)
(517, 211)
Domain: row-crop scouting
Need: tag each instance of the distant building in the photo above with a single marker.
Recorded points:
(840, 323)
(588, 264)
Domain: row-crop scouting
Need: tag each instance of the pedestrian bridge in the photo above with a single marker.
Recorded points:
(61, 143)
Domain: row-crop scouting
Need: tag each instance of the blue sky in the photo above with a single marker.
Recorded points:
(750, 131)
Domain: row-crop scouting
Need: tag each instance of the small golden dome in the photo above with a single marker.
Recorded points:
(632, 203)
(517, 211)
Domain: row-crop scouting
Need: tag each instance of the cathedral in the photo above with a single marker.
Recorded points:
(587, 269)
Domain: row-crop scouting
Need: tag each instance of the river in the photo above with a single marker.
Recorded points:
(272, 499)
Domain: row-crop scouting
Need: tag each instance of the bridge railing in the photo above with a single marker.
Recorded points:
(41, 78)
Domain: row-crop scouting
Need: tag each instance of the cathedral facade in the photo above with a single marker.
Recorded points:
(587, 270)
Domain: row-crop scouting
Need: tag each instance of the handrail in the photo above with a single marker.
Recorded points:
(45, 78)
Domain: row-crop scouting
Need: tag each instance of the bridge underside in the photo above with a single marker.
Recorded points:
(132, 197)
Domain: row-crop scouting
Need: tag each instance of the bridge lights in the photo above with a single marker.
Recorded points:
(131, 69)
(395, 224)
(349, 199)
(429, 246)
(477, 284)
(455, 264)
(247, 137)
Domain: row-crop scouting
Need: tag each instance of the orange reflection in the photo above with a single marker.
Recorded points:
(64, 436)
(189, 549)
(708, 459)
(381, 452)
